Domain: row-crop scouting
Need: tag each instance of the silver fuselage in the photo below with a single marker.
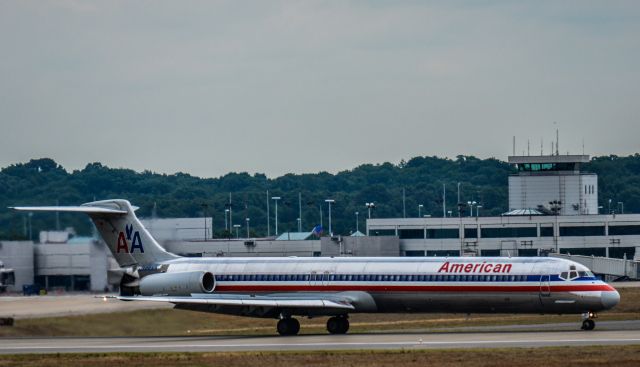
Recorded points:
(405, 284)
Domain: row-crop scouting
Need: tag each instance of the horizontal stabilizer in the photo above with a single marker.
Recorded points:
(75, 209)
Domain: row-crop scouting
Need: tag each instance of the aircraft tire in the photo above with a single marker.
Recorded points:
(337, 325)
(288, 326)
(588, 324)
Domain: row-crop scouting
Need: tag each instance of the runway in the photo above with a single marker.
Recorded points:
(612, 333)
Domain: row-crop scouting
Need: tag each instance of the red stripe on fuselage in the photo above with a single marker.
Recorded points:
(405, 288)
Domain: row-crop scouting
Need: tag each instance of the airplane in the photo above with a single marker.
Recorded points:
(285, 287)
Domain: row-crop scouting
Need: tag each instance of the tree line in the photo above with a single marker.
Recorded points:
(396, 189)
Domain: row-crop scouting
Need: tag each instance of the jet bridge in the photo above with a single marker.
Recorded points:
(606, 265)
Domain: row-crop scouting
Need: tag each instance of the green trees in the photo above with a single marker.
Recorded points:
(44, 182)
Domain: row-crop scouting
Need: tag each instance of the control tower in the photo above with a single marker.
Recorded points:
(553, 183)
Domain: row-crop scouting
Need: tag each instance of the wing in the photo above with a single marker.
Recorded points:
(334, 301)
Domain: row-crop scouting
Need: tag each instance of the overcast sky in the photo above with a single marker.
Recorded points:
(209, 87)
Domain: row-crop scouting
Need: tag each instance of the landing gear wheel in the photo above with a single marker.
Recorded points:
(588, 324)
(338, 325)
(288, 326)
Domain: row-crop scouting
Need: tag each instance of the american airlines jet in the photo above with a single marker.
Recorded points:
(282, 288)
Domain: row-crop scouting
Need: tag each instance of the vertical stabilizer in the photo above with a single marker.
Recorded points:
(129, 242)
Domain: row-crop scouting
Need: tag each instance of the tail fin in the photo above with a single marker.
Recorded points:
(129, 242)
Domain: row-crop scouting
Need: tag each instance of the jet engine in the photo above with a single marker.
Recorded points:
(177, 283)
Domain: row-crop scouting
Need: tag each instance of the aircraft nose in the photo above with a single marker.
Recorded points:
(610, 298)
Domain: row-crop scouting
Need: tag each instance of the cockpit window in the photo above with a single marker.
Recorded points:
(574, 274)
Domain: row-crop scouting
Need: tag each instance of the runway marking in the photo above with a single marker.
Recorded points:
(336, 344)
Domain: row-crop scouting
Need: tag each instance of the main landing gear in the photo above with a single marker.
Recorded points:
(288, 326)
(338, 325)
(587, 320)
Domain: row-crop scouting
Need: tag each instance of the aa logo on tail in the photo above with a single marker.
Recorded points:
(131, 237)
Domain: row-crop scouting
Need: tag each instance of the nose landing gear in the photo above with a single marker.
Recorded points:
(587, 320)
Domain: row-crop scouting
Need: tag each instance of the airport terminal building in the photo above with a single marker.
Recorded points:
(553, 207)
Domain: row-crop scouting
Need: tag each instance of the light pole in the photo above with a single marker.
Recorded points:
(609, 206)
(30, 227)
(268, 217)
(369, 207)
(226, 224)
(248, 219)
(276, 198)
(330, 201)
(471, 204)
(420, 206)
(237, 227)
(556, 207)
(621, 205)
(478, 210)
(299, 212)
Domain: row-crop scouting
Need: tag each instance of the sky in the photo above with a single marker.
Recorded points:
(211, 87)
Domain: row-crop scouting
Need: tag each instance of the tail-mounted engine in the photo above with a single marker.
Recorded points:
(177, 283)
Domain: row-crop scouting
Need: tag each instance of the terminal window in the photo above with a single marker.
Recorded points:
(443, 233)
(537, 167)
(471, 232)
(443, 253)
(624, 230)
(621, 252)
(585, 251)
(509, 232)
(411, 233)
(582, 231)
(546, 231)
(383, 232)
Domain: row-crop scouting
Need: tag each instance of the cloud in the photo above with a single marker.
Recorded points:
(211, 87)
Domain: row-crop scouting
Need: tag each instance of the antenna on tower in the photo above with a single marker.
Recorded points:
(552, 150)
(557, 141)
(541, 146)
(582, 146)
(528, 148)
(514, 145)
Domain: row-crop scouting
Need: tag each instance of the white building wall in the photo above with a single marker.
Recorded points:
(18, 255)
(229, 248)
(184, 229)
(90, 258)
(577, 192)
